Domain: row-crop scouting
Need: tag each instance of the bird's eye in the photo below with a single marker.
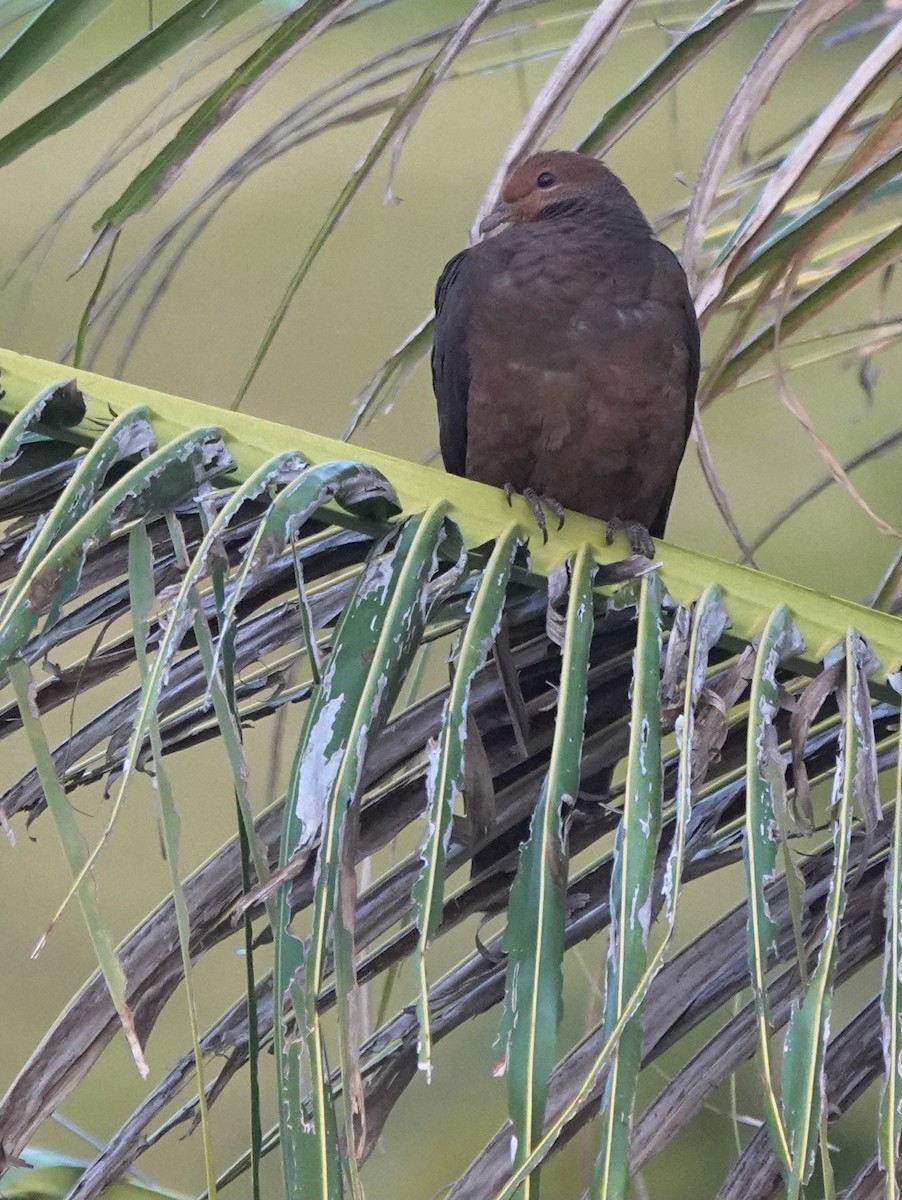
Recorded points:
(546, 180)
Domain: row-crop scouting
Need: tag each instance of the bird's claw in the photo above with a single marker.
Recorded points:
(536, 500)
(640, 540)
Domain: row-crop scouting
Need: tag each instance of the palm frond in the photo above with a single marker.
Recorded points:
(229, 529)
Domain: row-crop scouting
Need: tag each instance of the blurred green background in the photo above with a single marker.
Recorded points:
(369, 287)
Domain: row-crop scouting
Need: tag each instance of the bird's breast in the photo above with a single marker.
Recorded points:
(577, 386)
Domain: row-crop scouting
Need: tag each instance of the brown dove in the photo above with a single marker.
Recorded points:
(566, 351)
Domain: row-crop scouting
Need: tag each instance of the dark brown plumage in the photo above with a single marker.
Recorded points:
(566, 353)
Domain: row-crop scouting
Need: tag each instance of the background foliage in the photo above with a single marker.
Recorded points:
(790, 228)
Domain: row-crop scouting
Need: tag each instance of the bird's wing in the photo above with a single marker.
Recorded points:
(693, 342)
(451, 362)
(670, 267)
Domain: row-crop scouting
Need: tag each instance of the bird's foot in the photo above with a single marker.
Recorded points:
(535, 501)
(637, 535)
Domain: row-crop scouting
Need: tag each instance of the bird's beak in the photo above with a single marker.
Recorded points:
(500, 214)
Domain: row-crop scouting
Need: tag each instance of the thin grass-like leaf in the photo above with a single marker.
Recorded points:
(870, 339)
(445, 776)
(245, 81)
(708, 624)
(381, 388)
(415, 95)
(584, 52)
(157, 483)
(19, 10)
(129, 435)
(400, 631)
(635, 851)
(154, 485)
(358, 688)
(218, 663)
(78, 348)
(461, 38)
(798, 235)
(249, 847)
(319, 112)
(803, 1098)
(728, 367)
(764, 778)
(887, 597)
(792, 403)
(194, 19)
(802, 23)
(143, 598)
(589, 1071)
(43, 38)
(716, 487)
(534, 939)
(805, 156)
(344, 101)
(143, 128)
(348, 483)
(687, 51)
(885, 132)
(891, 1001)
(77, 859)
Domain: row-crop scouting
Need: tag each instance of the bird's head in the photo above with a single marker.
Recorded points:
(548, 181)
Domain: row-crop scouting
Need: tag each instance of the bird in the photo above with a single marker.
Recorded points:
(565, 355)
